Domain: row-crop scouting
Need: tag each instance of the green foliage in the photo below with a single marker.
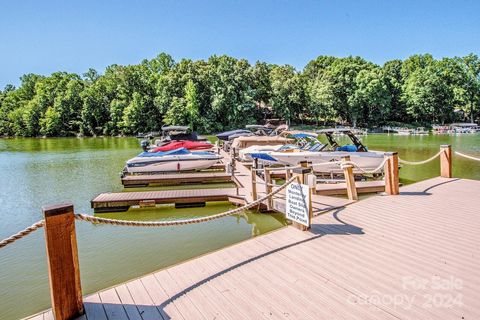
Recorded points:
(224, 93)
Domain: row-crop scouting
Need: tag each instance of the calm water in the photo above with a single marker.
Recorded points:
(35, 172)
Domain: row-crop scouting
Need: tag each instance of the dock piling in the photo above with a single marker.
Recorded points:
(392, 181)
(349, 179)
(62, 259)
(254, 180)
(268, 187)
(446, 161)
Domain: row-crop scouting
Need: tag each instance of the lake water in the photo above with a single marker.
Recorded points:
(35, 172)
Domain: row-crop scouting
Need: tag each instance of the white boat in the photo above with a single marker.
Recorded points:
(244, 154)
(175, 160)
(404, 132)
(420, 131)
(365, 160)
(324, 157)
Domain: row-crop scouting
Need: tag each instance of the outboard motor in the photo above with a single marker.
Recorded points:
(145, 144)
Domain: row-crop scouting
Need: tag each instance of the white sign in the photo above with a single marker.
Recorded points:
(298, 203)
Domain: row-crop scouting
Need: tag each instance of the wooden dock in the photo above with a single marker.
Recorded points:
(410, 256)
(174, 179)
(121, 201)
(334, 189)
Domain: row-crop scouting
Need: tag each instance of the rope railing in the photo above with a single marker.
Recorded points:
(416, 163)
(355, 165)
(93, 219)
(466, 156)
(117, 222)
(19, 235)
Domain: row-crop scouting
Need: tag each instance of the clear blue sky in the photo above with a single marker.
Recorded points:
(47, 36)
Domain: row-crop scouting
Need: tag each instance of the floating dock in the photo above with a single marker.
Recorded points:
(335, 189)
(410, 256)
(174, 179)
(122, 201)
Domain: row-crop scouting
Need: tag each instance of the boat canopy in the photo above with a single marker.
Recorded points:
(226, 135)
(303, 135)
(175, 128)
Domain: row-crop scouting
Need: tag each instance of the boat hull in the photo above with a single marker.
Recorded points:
(366, 160)
(168, 164)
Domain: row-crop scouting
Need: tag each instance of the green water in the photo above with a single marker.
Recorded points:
(35, 172)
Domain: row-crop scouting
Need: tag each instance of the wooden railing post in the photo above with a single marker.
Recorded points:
(268, 187)
(391, 174)
(62, 258)
(349, 179)
(288, 173)
(254, 180)
(446, 161)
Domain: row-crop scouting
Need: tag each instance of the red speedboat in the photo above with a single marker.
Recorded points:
(189, 145)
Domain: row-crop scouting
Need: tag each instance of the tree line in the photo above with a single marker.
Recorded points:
(224, 93)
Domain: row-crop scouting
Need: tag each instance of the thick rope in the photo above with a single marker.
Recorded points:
(21, 234)
(116, 222)
(416, 163)
(466, 156)
(377, 169)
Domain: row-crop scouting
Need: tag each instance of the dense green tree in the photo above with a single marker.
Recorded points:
(392, 71)
(428, 95)
(371, 100)
(288, 97)
(224, 92)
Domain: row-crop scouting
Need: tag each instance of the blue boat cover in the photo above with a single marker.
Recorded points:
(178, 151)
(347, 148)
(263, 156)
(303, 135)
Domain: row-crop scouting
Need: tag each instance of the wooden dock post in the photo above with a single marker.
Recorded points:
(446, 161)
(268, 187)
(254, 179)
(392, 181)
(349, 179)
(62, 258)
(288, 173)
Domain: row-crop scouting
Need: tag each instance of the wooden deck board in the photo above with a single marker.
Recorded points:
(347, 266)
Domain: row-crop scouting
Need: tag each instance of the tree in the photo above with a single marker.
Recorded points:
(338, 84)
(471, 85)
(371, 99)
(288, 94)
(392, 71)
(428, 96)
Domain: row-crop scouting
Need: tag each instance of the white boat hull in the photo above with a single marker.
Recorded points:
(244, 154)
(366, 160)
(170, 163)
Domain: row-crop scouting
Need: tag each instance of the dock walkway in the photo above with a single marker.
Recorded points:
(411, 256)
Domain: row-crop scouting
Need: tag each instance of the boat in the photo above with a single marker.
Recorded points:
(462, 127)
(316, 153)
(403, 131)
(175, 160)
(187, 144)
(227, 135)
(420, 131)
(169, 134)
